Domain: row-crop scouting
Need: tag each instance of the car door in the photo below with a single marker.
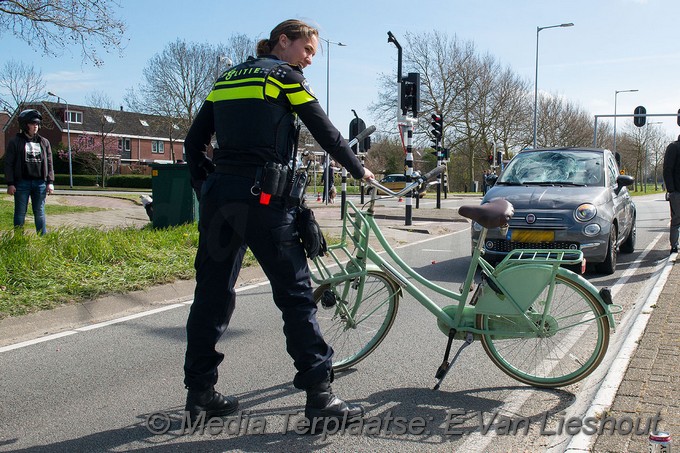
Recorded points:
(622, 200)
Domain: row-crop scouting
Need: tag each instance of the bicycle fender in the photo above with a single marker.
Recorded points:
(566, 273)
(524, 282)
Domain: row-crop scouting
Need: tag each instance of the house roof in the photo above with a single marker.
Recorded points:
(117, 123)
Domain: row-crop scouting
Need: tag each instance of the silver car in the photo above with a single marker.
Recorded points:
(566, 198)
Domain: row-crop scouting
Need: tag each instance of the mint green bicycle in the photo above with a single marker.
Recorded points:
(538, 322)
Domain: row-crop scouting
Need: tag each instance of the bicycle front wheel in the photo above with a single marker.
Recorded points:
(572, 343)
(355, 316)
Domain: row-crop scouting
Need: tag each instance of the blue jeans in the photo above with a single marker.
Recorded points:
(36, 189)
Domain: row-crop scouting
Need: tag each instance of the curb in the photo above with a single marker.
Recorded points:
(604, 398)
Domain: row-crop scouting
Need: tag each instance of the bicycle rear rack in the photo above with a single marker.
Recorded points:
(541, 256)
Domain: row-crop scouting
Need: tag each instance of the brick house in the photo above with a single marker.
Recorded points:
(130, 138)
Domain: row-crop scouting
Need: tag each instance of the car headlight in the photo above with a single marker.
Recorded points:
(585, 212)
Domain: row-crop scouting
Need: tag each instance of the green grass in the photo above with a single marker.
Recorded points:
(7, 211)
(70, 265)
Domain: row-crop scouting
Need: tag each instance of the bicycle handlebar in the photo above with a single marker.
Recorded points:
(419, 181)
(361, 135)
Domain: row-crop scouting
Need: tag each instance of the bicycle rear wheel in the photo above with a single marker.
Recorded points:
(573, 344)
(353, 327)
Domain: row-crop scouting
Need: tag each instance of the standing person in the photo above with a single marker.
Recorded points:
(29, 171)
(330, 185)
(252, 110)
(671, 178)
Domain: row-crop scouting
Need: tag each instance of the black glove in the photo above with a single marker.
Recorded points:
(310, 233)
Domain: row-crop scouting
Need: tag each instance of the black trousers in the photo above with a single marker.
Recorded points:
(230, 220)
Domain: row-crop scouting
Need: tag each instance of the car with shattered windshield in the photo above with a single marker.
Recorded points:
(564, 198)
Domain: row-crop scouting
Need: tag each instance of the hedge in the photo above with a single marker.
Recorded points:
(120, 181)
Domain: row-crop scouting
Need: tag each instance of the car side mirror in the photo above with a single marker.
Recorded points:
(623, 181)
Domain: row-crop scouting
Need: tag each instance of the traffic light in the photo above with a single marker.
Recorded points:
(499, 158)
(445, 154)
(437, 126)
(410, 93)
(356, 126)
(639, 121)
(365, 144)
(490, 159)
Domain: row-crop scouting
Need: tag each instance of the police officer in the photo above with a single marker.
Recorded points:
(252, 110)
(29, 170)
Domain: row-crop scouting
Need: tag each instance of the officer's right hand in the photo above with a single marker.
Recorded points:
(11, 190)
(368, 174)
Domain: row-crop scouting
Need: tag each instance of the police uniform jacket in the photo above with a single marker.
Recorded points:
(252, 111)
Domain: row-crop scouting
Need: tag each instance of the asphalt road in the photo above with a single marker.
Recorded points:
(97, 389)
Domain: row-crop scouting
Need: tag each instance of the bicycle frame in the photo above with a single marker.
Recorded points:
(544, 265)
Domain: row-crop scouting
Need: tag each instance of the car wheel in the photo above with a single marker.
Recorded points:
(628, 246)
(609, 265)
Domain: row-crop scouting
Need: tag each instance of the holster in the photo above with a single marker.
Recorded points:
(310, 232)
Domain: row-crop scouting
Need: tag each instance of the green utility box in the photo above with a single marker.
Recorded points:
(174, 201)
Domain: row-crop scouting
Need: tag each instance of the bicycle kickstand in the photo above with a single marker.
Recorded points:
(444, 368)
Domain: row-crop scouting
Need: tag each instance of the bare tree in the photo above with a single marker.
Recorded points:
(52, 24)
(239, 47)
(482, 103)
(177, 80)
(107, 117)
(562, 123)
(22, 84)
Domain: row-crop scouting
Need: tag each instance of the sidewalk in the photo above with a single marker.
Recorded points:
(650, 385)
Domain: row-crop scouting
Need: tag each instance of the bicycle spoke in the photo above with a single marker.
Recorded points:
(354, 328)
(573, 341)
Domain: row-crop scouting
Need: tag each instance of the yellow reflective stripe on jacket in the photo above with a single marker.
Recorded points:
(299, 97)
(230, 94)
(295, 92)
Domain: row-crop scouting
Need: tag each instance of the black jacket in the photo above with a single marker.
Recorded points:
(252, 110)
(15, 154)
(671, 167)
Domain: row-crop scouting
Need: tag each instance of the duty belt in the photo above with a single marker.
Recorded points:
(239, 170)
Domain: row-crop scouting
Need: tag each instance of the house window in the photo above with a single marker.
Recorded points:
(74, 117)
(157, 147)
(144, 123)
(109, 119)
(123, 144)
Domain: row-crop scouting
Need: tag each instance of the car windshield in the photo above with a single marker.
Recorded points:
(558, 167)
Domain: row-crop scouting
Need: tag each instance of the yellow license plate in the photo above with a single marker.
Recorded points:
(532, 236)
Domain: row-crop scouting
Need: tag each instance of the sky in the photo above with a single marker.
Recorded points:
(614, 45)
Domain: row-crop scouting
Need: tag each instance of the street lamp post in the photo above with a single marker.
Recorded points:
(326, 170)
(538, 29)
(68, 135)
(616, 93)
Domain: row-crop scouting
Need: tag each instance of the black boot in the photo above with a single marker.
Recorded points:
(322, 403)
(213, 403)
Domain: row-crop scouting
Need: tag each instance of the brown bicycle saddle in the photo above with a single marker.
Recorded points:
(493, 214)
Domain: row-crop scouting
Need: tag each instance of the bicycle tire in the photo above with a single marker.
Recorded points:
(353, 341)
(575, 347)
